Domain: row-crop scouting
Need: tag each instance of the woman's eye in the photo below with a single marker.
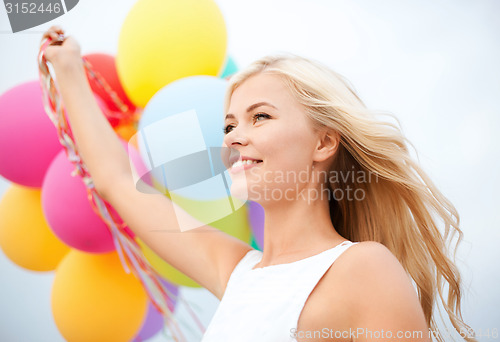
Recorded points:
(255, 117)
(227, 129)
(261, 115)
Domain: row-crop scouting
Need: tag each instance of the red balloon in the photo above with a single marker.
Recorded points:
(105, 65)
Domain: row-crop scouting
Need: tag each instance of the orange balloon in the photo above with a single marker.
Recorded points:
(25, 236)
(93, 299)
(126, 131)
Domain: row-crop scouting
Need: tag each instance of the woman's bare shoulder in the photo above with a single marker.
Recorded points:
(365, 255)
(378, 290)
(370, 268)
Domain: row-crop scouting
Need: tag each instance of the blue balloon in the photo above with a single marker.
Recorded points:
(204, 94)
(180, 138)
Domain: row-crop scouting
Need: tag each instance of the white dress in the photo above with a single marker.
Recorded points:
(264, 304)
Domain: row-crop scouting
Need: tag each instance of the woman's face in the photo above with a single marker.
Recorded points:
(265, 123)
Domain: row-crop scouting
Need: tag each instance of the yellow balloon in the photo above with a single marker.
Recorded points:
(165, 40)
(235, 224)
(93, 299)
(25, 236)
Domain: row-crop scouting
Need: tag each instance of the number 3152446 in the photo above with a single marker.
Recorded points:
(31, 7)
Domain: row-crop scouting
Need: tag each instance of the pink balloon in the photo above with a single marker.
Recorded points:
(68, 211)
(28, 139)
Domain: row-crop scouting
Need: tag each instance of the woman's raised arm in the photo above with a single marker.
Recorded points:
(98, 144)
(205, 254)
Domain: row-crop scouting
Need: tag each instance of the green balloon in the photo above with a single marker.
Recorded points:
(253, 243)
(230, 68)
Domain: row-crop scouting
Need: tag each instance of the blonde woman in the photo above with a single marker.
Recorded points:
(352, 251)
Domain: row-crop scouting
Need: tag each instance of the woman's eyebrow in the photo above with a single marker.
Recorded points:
(256, 105)
(250, 108)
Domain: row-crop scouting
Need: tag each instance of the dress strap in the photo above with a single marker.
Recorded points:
(247, 262)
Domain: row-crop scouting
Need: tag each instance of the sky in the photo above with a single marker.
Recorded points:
(433, 64)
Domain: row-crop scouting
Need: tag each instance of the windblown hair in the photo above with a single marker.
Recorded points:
(403, 208)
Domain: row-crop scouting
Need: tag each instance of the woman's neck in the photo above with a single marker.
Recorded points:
(297, 229)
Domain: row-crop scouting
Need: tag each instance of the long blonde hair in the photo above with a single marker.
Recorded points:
(399, 209)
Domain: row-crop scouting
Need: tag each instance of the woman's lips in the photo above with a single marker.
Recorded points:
(237, 167)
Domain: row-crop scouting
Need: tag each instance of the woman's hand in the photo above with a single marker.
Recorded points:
(63, 50)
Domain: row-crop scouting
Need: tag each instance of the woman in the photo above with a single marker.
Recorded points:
(344, 247)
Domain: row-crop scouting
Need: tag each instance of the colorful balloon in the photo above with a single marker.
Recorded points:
(256, 216)
(105, 65)
(203, 94)
(152, 324)
(126, 131)
(28, 139)
(93, 299)
(179, 128)
(68, 210)
(230, 68)
(25, 236)
(165, 40)
(254, 245)
(154, 320)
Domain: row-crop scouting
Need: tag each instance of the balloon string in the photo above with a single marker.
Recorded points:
(129, 251)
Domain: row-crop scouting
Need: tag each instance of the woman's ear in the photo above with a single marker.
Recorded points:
(328, 143)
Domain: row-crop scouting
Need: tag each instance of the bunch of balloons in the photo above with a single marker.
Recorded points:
(171, 58)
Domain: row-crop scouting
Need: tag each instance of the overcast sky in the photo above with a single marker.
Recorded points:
(434, 64)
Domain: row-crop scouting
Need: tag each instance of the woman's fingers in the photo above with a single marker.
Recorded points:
(68, 50)
(53, 32)
(57, 28)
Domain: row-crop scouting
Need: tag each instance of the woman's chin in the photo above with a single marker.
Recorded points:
(245, 192)
(239, 191)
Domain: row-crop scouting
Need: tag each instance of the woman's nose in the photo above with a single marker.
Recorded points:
(236, 136)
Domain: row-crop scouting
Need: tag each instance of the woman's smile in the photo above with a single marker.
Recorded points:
(243, 165)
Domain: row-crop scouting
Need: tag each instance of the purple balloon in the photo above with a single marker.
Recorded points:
(174, 289)
(28, 139)
(256, 215)
(153, 322)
